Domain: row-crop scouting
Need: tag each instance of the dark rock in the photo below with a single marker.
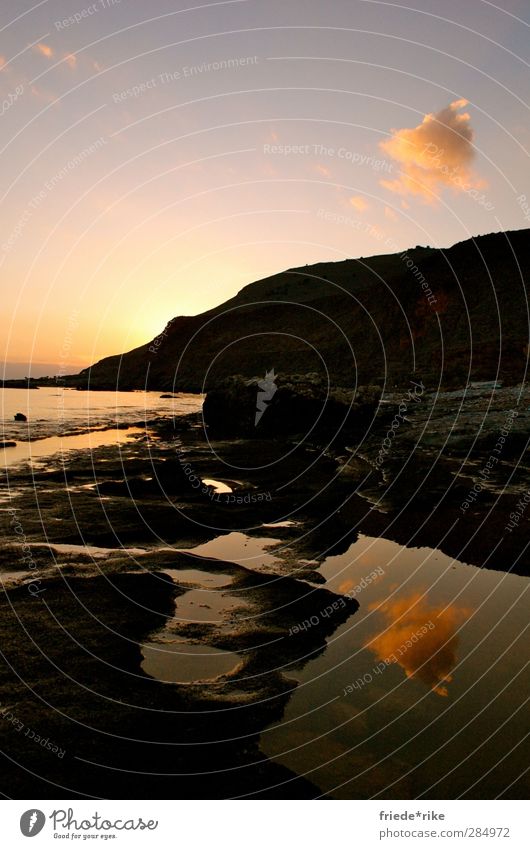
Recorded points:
(8, 444)
(20, 417)
(286, 405)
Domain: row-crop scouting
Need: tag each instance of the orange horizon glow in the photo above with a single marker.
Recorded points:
(153, 171)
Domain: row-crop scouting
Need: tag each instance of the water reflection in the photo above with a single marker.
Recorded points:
(420, 637)
(402, 737)
(43, 449)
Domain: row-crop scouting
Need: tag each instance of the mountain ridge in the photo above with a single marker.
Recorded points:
(452, 314)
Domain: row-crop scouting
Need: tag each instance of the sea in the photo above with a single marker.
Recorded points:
(60, 419)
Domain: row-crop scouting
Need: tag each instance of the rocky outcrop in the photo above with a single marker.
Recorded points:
(276, 406)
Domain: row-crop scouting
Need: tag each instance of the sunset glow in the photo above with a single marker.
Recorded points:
(155, 163)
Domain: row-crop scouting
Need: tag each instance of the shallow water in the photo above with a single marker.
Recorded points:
(36, 451)
(175, 660)
(197, 576)
(218, 486)
(52, 409)
(369, 717)
(204, 605)
(250, 552)
(184, 663)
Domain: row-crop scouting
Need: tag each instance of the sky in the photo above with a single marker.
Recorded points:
(157, 157)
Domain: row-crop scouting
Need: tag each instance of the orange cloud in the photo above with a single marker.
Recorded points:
(321, 169)
(358, 203)
(389, 213)
(44, 50)
(421, 638)
(434, 155)
(2, 62)
(70, 60)
(45, 96)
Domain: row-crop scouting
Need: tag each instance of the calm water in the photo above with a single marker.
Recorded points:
(172, 659)
(54, 410)
(40, 450)
(178, 662)
(368, 720)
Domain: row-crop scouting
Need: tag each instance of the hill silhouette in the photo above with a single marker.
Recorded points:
(450, 315)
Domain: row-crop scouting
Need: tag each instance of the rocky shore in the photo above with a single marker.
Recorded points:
(94, 543)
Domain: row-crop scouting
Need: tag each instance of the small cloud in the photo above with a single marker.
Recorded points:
(435, 154)
(45, 96)
(389, 213)
(70, 60)
(2, 62)
(405, 205)
(321, 169)
(97, 66)
(44, 50)
(358, 203)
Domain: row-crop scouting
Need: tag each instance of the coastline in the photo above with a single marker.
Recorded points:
(109, 530)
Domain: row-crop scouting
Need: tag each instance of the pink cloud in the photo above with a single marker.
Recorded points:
(436, 154)
(44, 50)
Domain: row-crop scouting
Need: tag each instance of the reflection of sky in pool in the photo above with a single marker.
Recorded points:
(58, 445)
(183, 663)
(174, 660)
(236, 547)
(375, 688)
